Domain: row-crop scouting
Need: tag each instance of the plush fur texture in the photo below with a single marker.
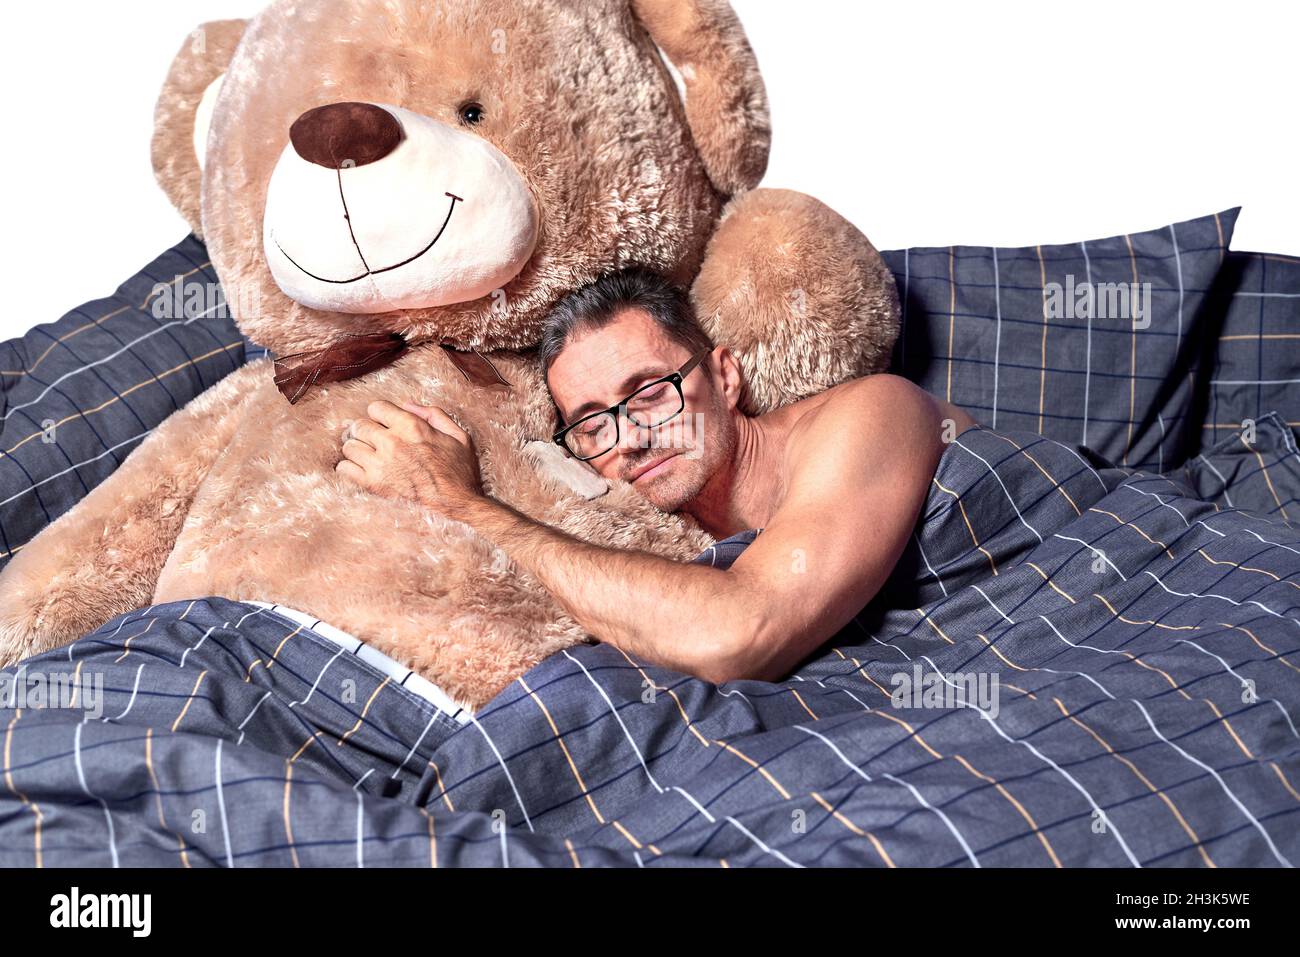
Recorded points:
(202, 58)
(236, 494)
(796, 330)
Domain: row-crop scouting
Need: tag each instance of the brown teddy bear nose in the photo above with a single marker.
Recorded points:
(344, 135)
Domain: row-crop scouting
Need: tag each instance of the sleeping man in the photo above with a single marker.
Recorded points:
(835, 482)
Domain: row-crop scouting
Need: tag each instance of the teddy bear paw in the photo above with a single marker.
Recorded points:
(551, 463)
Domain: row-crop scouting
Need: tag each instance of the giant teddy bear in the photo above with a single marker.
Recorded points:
(432, 176)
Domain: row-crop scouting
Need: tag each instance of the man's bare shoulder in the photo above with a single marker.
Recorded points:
(864, 423)
(860, 406)
(883, 401)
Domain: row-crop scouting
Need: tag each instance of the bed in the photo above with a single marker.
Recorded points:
(1089, 654)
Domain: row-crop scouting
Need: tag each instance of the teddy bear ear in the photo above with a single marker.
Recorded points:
(184, 112)
(726, 101)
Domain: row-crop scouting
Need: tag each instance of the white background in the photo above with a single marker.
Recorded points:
(924, 122)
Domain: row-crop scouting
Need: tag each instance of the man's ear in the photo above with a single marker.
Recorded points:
(184, 111)
(726, 101)
(731, 378)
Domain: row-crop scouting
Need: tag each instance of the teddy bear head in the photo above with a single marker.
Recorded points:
(448, 169)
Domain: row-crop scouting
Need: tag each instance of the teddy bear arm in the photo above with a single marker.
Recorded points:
(104, 555)
(798, 294)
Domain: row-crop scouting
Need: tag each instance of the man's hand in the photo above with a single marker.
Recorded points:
(412, 452)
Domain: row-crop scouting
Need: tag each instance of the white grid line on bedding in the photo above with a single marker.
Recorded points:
(372, 656)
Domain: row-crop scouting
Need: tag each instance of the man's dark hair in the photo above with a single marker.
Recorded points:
(594, 305)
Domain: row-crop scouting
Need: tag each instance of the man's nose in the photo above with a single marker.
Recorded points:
(344, 135)
(631, 432)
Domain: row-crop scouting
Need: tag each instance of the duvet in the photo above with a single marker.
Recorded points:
(1073, 664)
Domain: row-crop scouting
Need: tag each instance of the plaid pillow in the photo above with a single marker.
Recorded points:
(1096, 343)
(1257, 469)
(1256, 367)
(78, 395)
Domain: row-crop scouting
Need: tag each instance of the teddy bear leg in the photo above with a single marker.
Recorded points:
(103, 556)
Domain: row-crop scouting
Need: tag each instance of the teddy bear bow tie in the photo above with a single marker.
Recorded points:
(357, 355)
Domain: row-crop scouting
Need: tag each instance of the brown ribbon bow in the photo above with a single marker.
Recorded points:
(359, 354)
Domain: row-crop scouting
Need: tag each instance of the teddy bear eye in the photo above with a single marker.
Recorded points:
(471, 114)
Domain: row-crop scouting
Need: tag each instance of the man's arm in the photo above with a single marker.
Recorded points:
(863, 470)
(683, 616)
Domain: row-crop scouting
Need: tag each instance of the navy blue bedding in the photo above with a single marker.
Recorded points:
(1256, 468)
(1256, 366)
(1145, 645)
(78, 395)
(1103, 342)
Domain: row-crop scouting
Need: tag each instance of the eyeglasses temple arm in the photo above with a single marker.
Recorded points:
(687, 369)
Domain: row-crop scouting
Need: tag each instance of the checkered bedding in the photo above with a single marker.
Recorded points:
(1256, 367)
(1101, 342)
(78, 395)
(1145, 647)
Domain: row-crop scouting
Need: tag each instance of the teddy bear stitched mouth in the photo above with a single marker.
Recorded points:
(372, 272)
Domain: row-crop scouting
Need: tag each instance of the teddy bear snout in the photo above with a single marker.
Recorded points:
(374, 208)
(345, 135)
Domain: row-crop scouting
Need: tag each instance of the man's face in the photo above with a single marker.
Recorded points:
(670, 464)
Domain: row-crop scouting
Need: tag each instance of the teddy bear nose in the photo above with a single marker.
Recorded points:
(344, 135)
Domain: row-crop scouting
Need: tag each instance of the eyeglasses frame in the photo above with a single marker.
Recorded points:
(619, 409)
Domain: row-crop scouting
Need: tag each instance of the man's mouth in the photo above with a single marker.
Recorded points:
(651, 469)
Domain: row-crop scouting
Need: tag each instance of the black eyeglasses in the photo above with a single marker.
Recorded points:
(648, 407)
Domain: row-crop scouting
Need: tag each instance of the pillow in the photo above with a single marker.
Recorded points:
(1256, 469)
(1097, 343)
(77, 395)
(1256, 366)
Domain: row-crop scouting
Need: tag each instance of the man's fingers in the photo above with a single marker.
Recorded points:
(408, 424)
(437, 418)
(369, 432)
(360, 453)
(351, 470)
